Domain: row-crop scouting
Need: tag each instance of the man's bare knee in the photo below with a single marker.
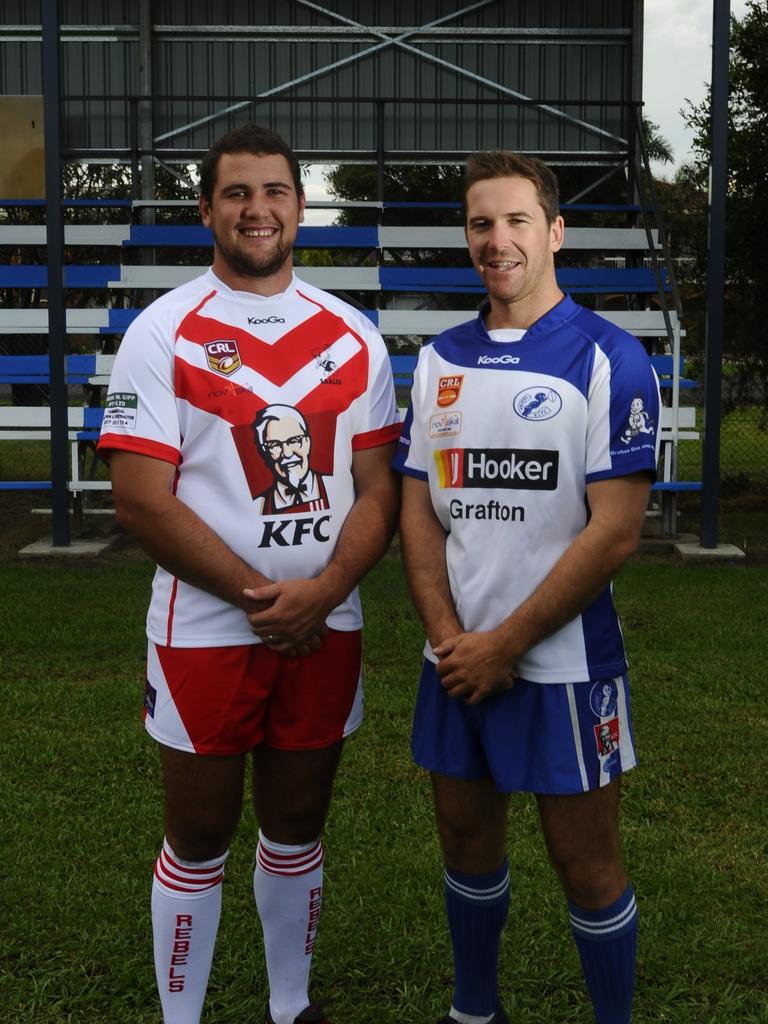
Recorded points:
(295, 821)
(292, 791)
(591, 884)
(582, 837)
(471, 823)
(473, 853)
(203, 800)
(201, 843)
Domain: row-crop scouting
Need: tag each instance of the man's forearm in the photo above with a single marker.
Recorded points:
(574, 582)
(585, 569)
(185, 546)
(298, 609)
(364, 538)
(423, 543)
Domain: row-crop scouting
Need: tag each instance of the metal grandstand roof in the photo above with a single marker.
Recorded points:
(354, 80)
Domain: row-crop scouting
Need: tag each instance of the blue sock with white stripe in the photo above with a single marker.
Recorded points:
(607, 942)
(477, 908)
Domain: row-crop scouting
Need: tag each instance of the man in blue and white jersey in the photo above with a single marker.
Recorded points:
(528, 452)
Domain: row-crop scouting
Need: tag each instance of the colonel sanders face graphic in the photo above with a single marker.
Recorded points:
(281, 434)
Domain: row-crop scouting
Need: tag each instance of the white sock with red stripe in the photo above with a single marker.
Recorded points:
(186, 904)
(288, 886)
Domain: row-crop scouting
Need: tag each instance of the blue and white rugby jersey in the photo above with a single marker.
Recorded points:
(508, 437)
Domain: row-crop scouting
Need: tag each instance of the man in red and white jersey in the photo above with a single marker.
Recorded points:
(250, 425)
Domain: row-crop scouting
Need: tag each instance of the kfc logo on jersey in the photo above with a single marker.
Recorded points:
(223, 356)
(293, 532)
(448, 390)
(607, 737)
(284, 441)
(537, 404)
(528, 469)
(287, 459)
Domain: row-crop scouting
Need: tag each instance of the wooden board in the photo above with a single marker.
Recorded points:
(22, 168)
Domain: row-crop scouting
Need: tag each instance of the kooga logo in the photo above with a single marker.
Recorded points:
(505, 360)
(526, 469)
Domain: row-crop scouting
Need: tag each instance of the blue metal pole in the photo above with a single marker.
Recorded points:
(55, 244)
(713, 352)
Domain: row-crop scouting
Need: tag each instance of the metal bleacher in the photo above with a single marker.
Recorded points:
(127, 275)
(392, 280)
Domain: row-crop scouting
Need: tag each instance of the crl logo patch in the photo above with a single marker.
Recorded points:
(449, 389)
(223, 356)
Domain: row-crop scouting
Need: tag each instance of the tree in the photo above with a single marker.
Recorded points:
(442, 183)
(405, 183)
(657, 145)
(747, 201)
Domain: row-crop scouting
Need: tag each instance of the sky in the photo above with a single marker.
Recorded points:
(677, 65)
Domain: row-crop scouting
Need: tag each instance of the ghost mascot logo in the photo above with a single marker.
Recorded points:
(283, 439)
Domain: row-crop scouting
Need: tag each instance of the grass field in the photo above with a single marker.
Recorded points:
(81, 823)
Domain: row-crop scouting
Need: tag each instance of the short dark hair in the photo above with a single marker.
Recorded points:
(248, 138)
(504, 164)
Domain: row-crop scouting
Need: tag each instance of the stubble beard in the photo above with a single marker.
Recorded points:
(246, 265)
(509, 296)
(528, 284)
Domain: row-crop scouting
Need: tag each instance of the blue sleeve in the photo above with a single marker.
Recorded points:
(403, 450)
(624, 411)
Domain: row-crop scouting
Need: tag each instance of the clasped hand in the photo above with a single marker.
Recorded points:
(289, 616)
(472, 666)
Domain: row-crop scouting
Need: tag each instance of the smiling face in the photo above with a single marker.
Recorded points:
(512, 247)
(254, 214)
(287, 445)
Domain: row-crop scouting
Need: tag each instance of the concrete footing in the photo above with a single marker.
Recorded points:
(76, 549)
(687, 547)
(694, 552)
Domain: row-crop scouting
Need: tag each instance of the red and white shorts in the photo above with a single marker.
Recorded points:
(227, 700)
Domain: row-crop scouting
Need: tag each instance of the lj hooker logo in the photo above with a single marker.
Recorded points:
(448, 390)
(524, 469)
(222, 356)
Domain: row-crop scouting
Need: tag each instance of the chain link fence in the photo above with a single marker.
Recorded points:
(743, 436)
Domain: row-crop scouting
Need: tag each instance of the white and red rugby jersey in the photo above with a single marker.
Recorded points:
(192, 374)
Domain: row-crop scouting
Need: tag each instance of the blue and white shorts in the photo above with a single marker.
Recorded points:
(554, 738)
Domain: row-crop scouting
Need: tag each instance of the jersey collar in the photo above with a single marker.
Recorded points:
(224, 289)
(553, 319)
